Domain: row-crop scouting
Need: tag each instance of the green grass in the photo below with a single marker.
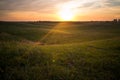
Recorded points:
(59, 51)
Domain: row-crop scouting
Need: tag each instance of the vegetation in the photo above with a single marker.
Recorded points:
(59, 51)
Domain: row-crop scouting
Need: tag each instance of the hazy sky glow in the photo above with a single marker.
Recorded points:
(50, 9)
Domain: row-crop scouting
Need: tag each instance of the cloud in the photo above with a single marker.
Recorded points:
(50, 5)
(24, 5)
(28, 4)
(113, 3)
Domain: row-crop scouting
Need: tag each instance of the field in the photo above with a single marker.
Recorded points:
(59, 51)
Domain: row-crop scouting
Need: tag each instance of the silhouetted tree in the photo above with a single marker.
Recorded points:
(115, 20)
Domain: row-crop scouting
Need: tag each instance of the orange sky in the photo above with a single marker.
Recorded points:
(79, 10)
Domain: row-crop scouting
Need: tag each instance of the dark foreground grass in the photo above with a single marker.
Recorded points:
(84, 51)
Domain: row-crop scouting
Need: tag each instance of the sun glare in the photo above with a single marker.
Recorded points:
(67, 11)
(66, 15)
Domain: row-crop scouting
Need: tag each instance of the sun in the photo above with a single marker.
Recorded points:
(66, 15)
(67, 11)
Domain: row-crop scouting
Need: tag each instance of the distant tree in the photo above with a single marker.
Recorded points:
(115, 20)
(118, 20)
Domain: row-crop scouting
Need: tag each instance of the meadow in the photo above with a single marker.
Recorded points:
(59, 51)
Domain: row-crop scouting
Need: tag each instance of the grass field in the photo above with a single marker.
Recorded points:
(59, 51)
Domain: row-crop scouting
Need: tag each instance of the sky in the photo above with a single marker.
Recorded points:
(45, 10)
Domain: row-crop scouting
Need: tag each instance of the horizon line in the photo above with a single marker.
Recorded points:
(57, 20)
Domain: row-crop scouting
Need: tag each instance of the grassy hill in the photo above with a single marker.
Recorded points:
(59, 51)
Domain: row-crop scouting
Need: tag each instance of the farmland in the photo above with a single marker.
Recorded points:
(59, 51)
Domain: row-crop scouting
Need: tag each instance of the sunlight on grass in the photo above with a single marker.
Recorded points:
(59, 28)
(59, 51)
